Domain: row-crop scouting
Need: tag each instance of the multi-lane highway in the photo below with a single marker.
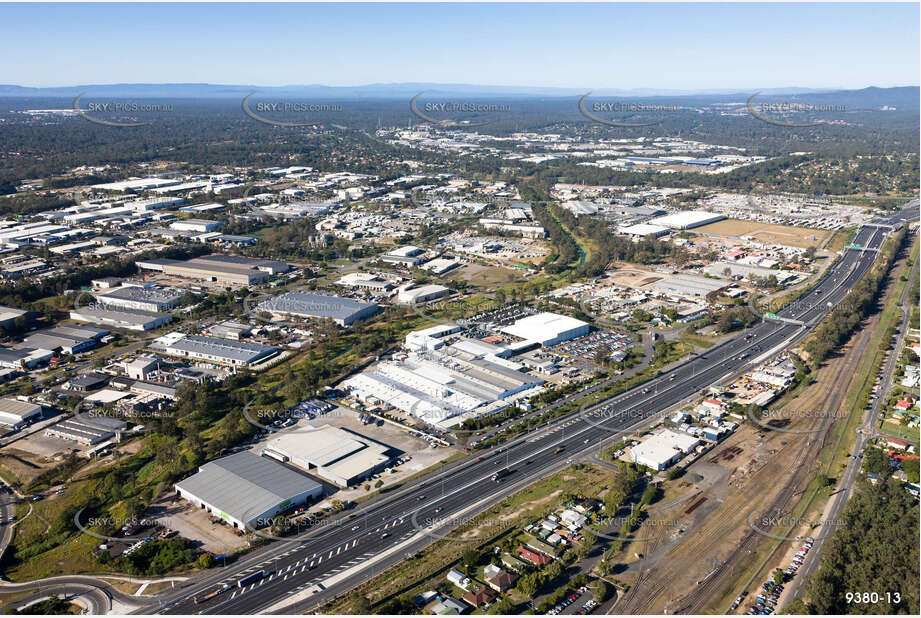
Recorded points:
(446, 499)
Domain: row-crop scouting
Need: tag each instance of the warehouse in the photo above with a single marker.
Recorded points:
(16, 414)
(343, 311)
(245, 489)
(641, 230)
(117, 318)
(547, 328)
(196, 225)
(404, 256)
(661, 450)
(421, 294)
(216, 350)
(87, 430)
(747, 271)
(338, 455)
(687, 219)
(226, 269)
(66, 339)
(141, 298)
(8, 316)
(688, 285)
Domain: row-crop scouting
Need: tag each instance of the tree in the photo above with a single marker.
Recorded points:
(206, 561)
(601, 591)
(471, 557)
(778, 576)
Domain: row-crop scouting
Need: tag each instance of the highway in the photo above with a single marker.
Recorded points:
(368, 532)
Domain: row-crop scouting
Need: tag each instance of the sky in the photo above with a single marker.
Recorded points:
(673, 46)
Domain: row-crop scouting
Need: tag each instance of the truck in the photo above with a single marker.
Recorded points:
(252, 578)
(212, 594)
(501, 474)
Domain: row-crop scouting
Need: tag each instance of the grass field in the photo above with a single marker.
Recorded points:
(767, 232)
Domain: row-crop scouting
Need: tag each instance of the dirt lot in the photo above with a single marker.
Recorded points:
(766, 232)
(195, 524)
(632, 277)
(483, 276)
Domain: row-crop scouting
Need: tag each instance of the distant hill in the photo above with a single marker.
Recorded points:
(902, 97)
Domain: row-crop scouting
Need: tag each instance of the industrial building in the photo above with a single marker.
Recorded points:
(195, 225)
(421, 294)
(641, 230)
(118, 318)
(245, 489)
(66, 339)
(404, 256)
(87, 430)
(687, 219)
(343, 311)
(445, 383)
(148, 298)
(661, 450)
(338, 455)
(688, 285)
(212, 349)
(8, 316)
(226, 269)
(547, 328)
(15, 413)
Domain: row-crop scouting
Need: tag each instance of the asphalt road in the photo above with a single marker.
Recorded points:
(321, 554)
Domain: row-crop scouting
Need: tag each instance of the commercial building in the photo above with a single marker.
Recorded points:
(66, 339)
(440, 266)
(405, 256)
(117, 318)
(225, 269)
(343, 311)
(641, 230)
(547, 328)
(8, 316)
(338, 455)
(245, 489)
(24, 357)
(663, 449)
(140, 298)
(687, 219)
(141, 367)
(224, 351)
(15, 413)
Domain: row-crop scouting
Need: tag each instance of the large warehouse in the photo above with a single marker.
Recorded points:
(246, 489)
(226, 269)
(687, 219)
(15, 413)
(140, 298)
(547, 328)
(335, 454)
(688, 285)
(661, 450)
(117, 318)
(224, 351)
(343, 311)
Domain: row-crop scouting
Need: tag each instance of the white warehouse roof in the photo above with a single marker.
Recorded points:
(688, 219)
(547, 328)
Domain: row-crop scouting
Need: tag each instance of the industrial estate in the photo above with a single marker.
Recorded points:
(534, 358)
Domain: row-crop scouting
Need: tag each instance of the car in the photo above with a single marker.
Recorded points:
(421, 498)
(385, 535)
(354, 528)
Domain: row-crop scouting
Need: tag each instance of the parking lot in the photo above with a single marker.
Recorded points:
(577, 602)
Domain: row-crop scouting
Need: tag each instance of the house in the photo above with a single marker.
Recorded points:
(898, 444)
(512, 562)
(904, 404)
(454, 606)
(533, 557)
(480, 596)
(498, 578)
(458, 579)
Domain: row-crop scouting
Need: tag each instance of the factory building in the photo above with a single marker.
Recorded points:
(688, 285)
(66, 339)
(343, 311)
(212, 349)
(117, 318)
(15, 413)
(196, 225)
(547, 328)
(140, 298)
(661, 450)
(641, 230)
(421, 294)
(87, 430)
(338, 455)
(687, 219)
(245, 489)
(404, 256)
(8, 316)
(225, 269)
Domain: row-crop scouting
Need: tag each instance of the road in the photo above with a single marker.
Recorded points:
(380, 526)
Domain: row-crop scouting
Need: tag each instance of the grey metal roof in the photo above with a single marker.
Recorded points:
(133, 292)
(245, 485)
(314, 305)
(225, 348)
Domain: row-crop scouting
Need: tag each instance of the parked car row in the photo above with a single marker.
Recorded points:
(766, 600)
(571, 598)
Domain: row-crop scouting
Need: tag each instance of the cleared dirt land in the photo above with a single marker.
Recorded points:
(767, 232)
